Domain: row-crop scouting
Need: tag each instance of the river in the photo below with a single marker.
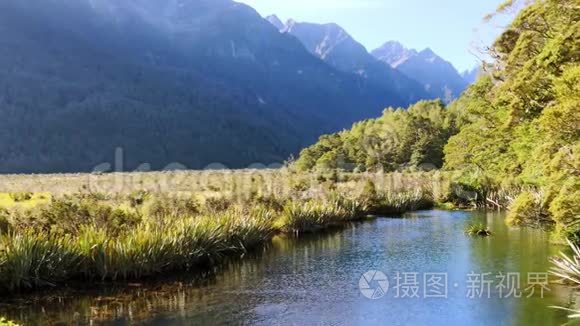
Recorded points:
(427, 272)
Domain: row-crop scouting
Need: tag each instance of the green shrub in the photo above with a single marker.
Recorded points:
(570, 232)
(299, 217)
(153, 248)
(565, 208)
(478, 230)
(21, 196)
(217, 204)
(302, 217)
(31, 260)
(399, 202)
(299, 185)
(91, 196)
(270, 202)
(528, 209)
(343, 208)
(249, 229)
(369, 191)
(4, 221)
(138, 198)
(67, 216)
(163, 207)
(6, 322)
(463, 194)
(80, 237)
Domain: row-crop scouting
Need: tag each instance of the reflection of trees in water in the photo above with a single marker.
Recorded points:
(517, 250)
(235, 286)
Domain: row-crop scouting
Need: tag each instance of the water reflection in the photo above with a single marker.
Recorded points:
(315, 279)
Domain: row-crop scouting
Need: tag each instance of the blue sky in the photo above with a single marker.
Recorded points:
(452, 28)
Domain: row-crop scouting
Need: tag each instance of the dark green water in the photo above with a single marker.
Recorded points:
(314, 280)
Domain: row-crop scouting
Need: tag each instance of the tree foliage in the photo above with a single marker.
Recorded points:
(519, 124)
(524, 119)
(400, 138)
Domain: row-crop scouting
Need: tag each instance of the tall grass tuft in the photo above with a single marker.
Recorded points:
(154, 248)
(6, 322)
(399, 202)
(30, 260)
(478, 230)
(117, 237)
(314, 215)
(567, 268)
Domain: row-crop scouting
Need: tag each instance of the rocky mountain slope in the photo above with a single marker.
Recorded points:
(437, 75)
(192, 82)
(334, 45)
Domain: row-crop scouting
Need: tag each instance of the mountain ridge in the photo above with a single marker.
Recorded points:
(330, 42)
(188, 82)
(439, 77)
(334, 45)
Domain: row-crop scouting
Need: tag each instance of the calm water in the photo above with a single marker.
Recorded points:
(314, 280)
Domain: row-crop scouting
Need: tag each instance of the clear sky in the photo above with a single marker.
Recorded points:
(454, 29)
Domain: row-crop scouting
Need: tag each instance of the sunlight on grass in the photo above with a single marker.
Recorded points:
(23, 200)
(5, 322)
(46, 240)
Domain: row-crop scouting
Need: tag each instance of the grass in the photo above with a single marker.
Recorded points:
(32, 259)
(400, 202)
(5, 322)
(478, 230)
(127, 226)
(311, 216)
(86, 239)
(567, 268)
(23, 199)
(141, 231)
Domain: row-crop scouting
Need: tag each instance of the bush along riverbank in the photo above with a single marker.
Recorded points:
(96, 237)
(513, 134)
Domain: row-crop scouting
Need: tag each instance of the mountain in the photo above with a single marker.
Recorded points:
(187, 81)
(438, 76)
(274, 20)
(334, 45)
(393, 53)
(470, 76)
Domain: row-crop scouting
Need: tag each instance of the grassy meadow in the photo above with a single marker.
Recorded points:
(58, 229)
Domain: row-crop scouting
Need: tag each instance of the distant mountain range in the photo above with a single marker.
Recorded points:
(470, 76)
(330, 42)
(187, 81)
(335, 46)
(438, 76)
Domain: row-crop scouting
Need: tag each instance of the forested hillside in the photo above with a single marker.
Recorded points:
(516, 128)
(193, 82)
(401, 138)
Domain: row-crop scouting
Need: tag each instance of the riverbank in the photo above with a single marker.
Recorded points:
(57, 229)
(294, 278)
(90, 236)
